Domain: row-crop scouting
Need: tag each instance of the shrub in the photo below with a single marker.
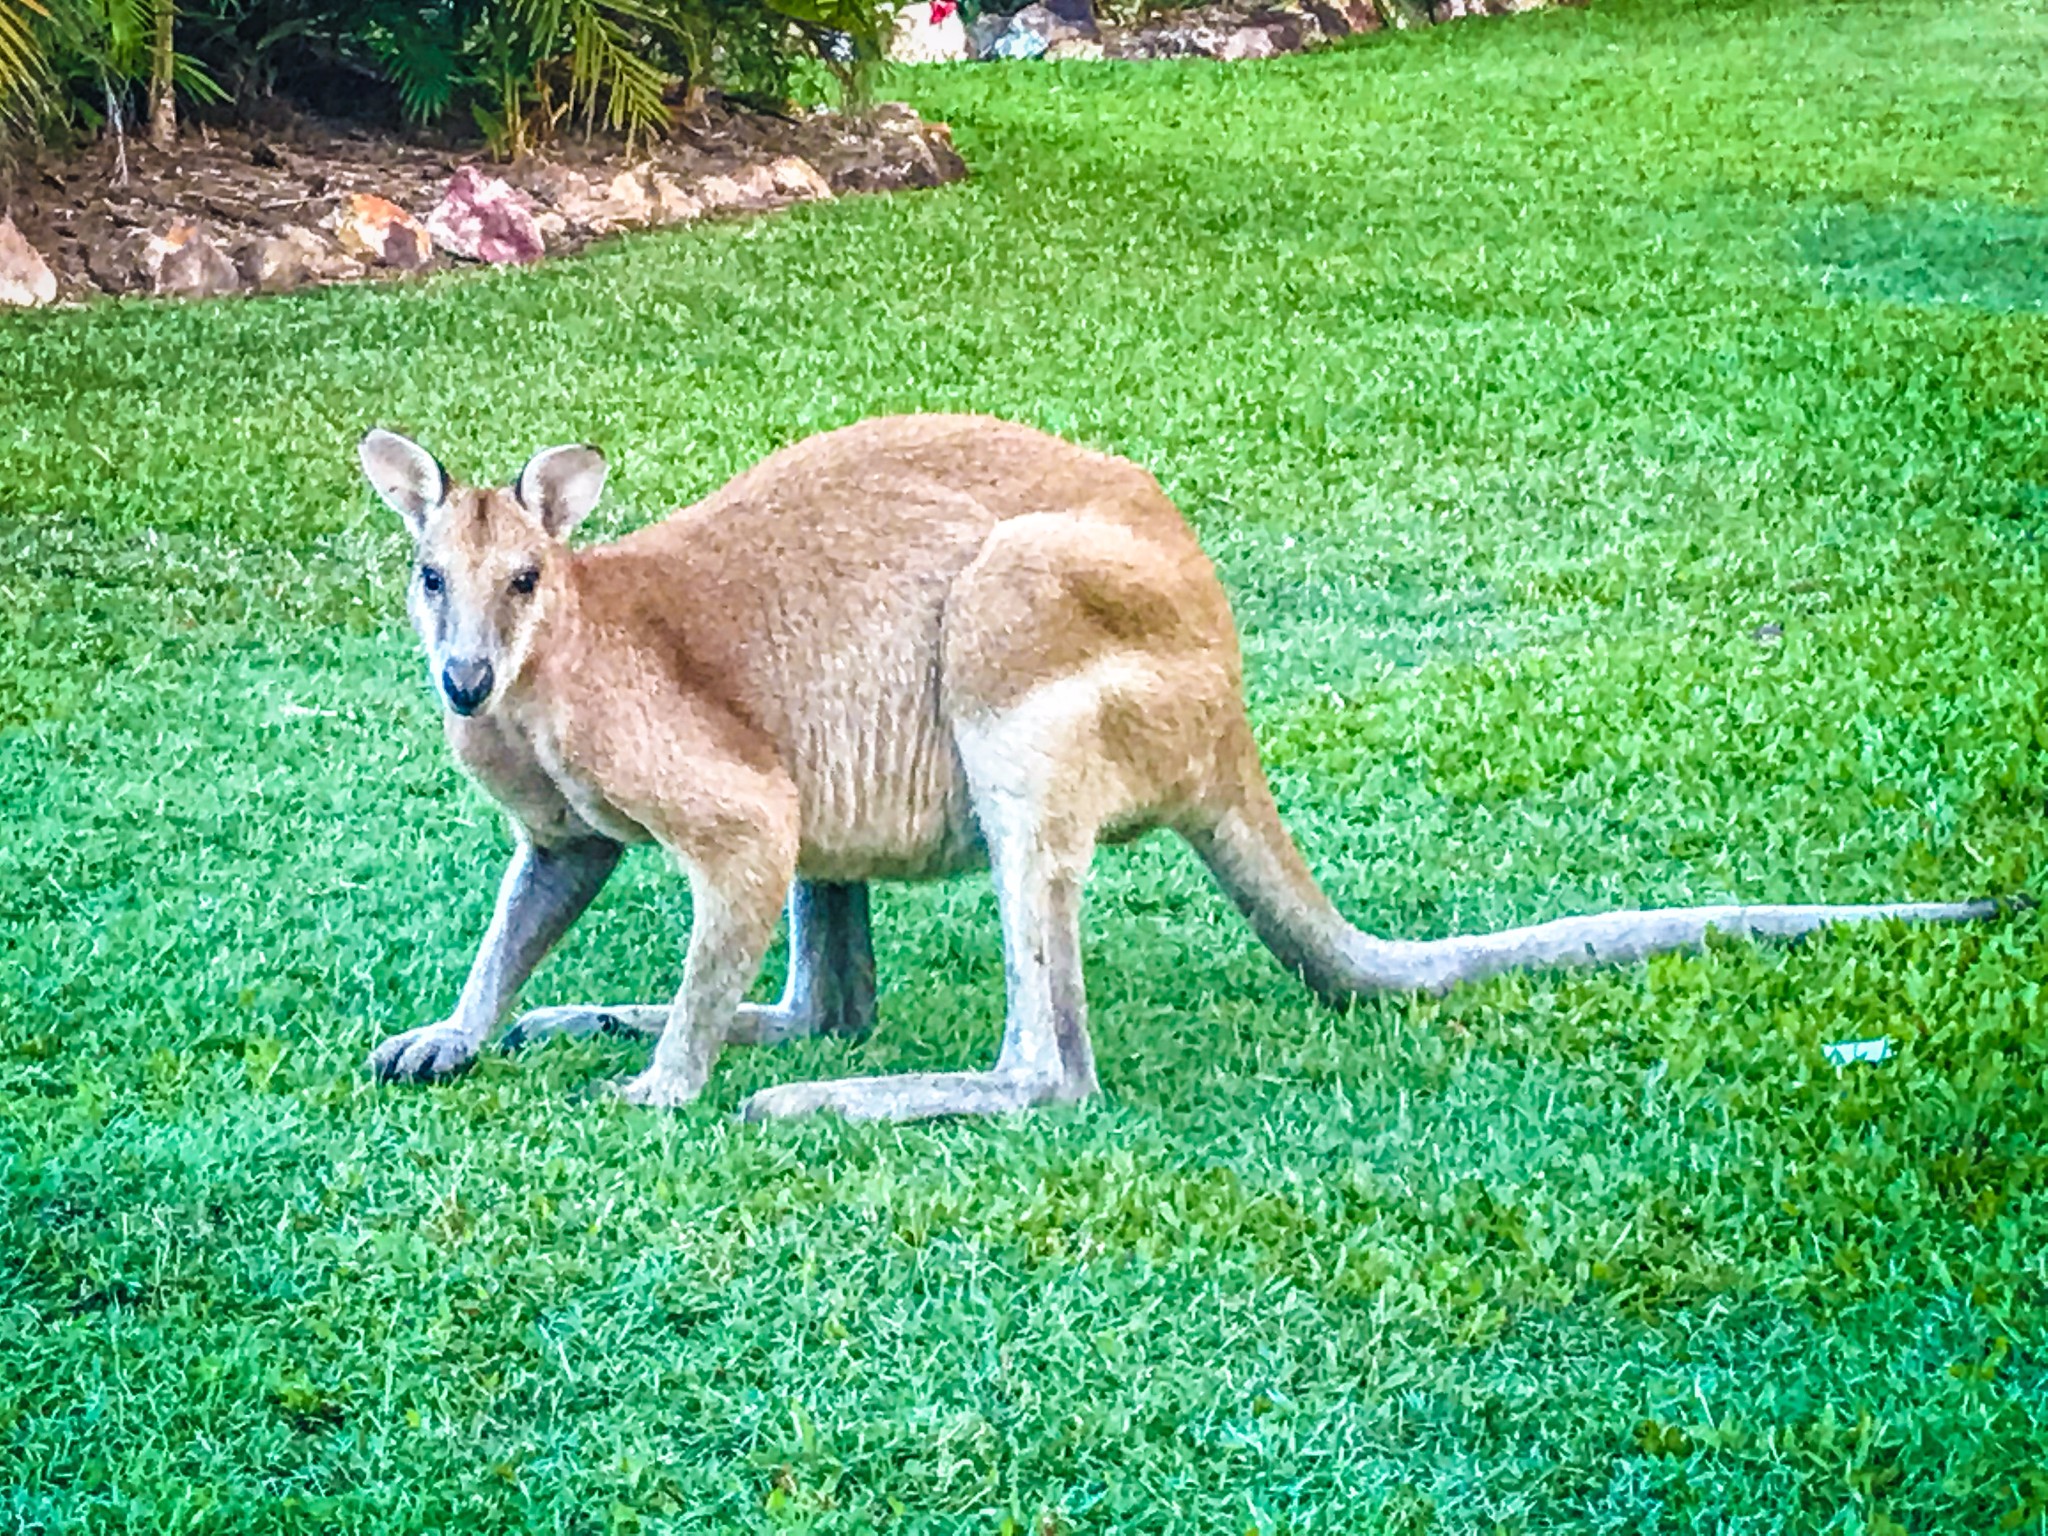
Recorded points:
(520, 71)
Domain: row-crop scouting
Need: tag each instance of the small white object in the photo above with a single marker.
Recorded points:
(1842, 1052)
(928, 34)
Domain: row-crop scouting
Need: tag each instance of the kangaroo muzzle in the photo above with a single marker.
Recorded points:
(466, 684)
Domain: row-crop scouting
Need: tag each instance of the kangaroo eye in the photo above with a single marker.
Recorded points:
(430, 579)
(524, 582)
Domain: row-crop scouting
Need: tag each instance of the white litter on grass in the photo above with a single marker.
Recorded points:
(1842, 1052)
(292, 711)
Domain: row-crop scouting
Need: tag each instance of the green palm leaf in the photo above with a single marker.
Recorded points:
(607, 65)
(21, 53)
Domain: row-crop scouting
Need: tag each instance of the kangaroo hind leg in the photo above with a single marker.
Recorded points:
(1039, 861)
(1084, 669)
(831, 985)
(830, 990)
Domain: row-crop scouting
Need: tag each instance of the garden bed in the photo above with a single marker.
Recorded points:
(235, 210)
(936, 31)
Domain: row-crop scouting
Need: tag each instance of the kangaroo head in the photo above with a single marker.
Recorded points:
(485, 559)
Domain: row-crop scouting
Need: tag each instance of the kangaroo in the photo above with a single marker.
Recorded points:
(894, 651)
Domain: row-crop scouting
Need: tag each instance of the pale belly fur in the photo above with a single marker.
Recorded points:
(879, 783)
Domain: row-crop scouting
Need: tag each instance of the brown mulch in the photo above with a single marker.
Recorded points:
(94, 228)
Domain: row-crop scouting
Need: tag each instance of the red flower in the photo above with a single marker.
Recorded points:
(941, 9)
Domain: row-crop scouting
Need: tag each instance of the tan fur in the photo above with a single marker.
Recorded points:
(891, 651)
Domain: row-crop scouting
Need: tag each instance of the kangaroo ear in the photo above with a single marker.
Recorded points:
(410, 479)
(560, 486)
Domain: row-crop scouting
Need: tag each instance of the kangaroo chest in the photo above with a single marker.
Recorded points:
(523, 770)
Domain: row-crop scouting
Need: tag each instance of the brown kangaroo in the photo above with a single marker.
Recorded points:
(893, 651)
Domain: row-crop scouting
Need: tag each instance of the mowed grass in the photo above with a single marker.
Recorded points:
(1625, 436)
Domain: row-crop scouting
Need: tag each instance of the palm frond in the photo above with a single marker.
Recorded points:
(128, 26)
(602, 61)
(608, 63)
(191, 78)
(423, 65)
(21, 52)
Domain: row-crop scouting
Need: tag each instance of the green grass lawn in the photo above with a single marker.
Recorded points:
(1625, 436)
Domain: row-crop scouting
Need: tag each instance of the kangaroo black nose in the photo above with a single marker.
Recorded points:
(467, 684)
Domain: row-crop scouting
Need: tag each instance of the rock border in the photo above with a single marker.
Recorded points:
(932, 31)
(241, 213)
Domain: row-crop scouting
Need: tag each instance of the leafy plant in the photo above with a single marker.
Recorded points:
(101, 56)
(21, 52)
(247, 43)
(609, 48)
(849, 36)
(424, 52)
(522, 69)
(524, 66)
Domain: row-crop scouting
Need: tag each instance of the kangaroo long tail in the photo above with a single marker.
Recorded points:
(1255, 861)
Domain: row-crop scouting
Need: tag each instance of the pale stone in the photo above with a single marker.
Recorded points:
(26, 281)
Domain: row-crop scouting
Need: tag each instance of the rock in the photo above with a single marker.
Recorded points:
(380, 232)
(1342, 18)
(904, 153)
(555, 184)
(1248, 43)
(289, 259)
(481, 218)
(271, 263)
(1018, 43)
(718, 193)
(189, 265)
(624, 202)
(1227, 32)
(757, 183)
(1074, 48)
(673, 204)
(119, 261)
(1044, 21)
(943, 159)
(982, 36)
(928, 32)
(26, 281)
(1032, 32)
(1290, 31)
(572, 202)
(894, 117)
(798, 178)
(751, 186)
(1170, 40)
